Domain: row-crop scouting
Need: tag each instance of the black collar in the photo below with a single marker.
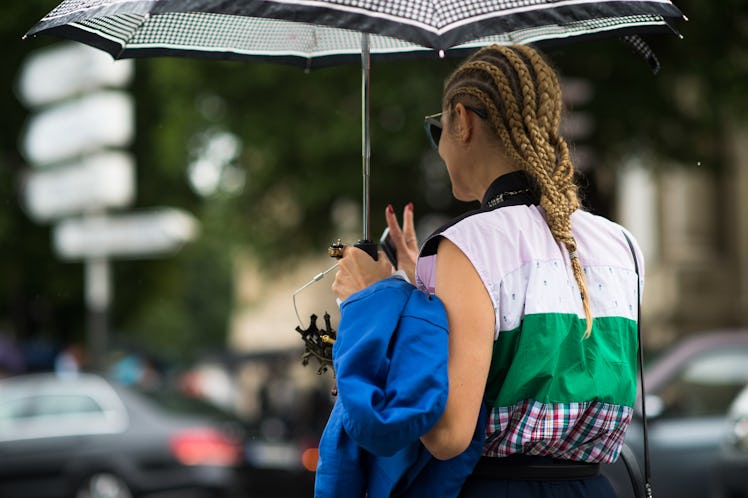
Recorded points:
(511, 189)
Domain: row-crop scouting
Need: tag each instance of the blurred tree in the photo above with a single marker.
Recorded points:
(682, 112)
(296, 159)
(40, 297)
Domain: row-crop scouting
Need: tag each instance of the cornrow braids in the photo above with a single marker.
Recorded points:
(532, 114)
(510, 117)
(522, 96)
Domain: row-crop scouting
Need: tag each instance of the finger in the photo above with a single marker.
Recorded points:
(349, 262)
(396, 233)
(349, 255)
(337, 284)
(392, 223)
(384, 261)
(409, 229)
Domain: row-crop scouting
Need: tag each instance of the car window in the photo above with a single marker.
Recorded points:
(55, 415)
(48, 405)
(179, 404)
(15, 408)
(64, 405)
(707, 385)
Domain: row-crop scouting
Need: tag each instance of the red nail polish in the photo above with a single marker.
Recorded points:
(390, 209)
(410, 206)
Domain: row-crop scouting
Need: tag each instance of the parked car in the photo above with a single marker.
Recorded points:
(689, 391)
(86, 437)
(289, 404)
(733, 461)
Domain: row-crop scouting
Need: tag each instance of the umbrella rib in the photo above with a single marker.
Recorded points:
(439, 31)
(528, 8)
(52, 16)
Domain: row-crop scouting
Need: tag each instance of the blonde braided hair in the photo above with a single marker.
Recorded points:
(522, 96)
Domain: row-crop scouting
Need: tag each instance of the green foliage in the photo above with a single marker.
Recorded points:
(38, 293)
(300, 136)
(682, 112)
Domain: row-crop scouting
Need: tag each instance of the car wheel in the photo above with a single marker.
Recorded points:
(103, 485)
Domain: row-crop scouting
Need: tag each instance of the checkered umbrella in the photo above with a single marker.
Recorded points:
(286, 28)
(314, 32)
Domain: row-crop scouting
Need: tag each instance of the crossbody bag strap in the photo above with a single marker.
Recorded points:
(647, 469)
(634, 472)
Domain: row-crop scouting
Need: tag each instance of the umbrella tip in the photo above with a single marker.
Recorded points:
(685, 18)
(441, 54)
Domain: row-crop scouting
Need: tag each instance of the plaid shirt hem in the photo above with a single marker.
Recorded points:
(590, 431)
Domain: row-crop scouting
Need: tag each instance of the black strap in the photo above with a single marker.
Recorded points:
(633, 470)
(647, 469)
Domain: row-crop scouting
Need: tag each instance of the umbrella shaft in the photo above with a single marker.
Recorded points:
(365, 137)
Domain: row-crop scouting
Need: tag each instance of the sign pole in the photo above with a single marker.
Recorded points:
(98, 298)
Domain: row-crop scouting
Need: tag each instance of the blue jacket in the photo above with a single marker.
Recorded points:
(390, 361)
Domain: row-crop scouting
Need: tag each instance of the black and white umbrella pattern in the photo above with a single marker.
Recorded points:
(328, 30)
(321, 32)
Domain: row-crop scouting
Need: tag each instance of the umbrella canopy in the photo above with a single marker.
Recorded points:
(330, 31)
(324, 32)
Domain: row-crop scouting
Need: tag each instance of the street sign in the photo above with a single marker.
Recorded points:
(79, 127)
(158, 232)
(53, 74)
(98, 181)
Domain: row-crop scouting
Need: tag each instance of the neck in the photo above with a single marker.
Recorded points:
(487, 161)
(487, 177)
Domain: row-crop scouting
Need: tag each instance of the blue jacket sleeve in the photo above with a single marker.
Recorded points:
(340, 469)
(390, 362)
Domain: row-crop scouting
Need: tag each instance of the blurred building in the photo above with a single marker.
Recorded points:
(690, 219)
(692, 223)
(265, 317)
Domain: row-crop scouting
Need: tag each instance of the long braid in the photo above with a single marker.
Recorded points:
(563, 173)
(531, 111)
(522, 96)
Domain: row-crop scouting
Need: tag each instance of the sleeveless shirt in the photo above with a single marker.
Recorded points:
(550, 391)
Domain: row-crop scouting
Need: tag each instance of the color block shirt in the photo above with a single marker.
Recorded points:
(550, 391)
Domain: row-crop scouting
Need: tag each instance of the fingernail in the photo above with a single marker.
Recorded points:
(390, 209)
(409, 206)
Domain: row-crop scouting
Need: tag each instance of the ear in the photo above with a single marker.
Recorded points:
(463, 123)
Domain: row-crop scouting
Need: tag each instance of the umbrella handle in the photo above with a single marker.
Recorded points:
(370, 247)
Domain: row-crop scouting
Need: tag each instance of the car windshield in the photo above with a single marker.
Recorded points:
(178, 403)
(707, 385)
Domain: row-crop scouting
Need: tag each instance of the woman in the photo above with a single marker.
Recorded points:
(541, 297)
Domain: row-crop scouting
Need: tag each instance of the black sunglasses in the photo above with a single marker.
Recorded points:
(433, 125)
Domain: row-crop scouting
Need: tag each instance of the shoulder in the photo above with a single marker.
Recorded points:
(471, 225)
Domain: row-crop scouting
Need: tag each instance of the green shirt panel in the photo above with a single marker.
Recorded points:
(547, 359)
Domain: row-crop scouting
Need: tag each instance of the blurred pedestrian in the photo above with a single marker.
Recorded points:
(541, 296)
(69, 361)
(12, 361)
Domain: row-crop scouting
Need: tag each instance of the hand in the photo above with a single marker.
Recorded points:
(405, 240)
(357, 270)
